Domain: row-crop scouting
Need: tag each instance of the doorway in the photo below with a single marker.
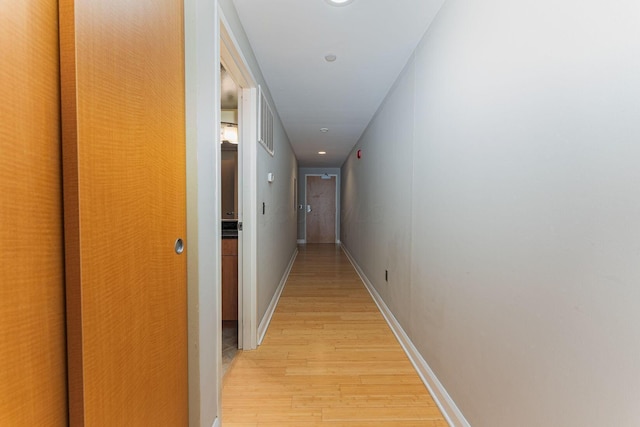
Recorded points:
(245, 191)
(229, 177)
(320, 208)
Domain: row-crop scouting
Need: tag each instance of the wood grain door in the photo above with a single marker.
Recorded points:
(229, 279)
(122, 67)
(321, 209)
(32, 330)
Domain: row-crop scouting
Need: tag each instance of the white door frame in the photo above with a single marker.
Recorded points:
(306, 196)
(237, 67)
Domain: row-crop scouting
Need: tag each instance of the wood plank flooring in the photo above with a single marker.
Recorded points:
(328, 358)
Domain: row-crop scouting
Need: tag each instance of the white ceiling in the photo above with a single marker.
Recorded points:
(372, 39)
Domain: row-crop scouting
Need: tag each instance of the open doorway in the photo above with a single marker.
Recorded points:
(238, 208)
(229, 188)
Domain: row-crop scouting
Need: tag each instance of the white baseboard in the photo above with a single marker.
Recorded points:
(266, 319)
(447, 406)
(302, 241)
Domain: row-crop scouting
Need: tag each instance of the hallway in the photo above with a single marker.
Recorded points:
(328, 358)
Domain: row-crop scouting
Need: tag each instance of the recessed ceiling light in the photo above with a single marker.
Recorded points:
(324, 130)
(330, 57)
(339, 2)
(322, 153)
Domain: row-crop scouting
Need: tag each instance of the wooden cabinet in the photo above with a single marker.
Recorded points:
(229, 279)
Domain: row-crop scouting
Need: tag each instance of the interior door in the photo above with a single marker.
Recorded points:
(321, 209)
(32, 330)
(124, 190)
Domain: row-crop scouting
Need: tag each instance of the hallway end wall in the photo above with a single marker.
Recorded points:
(276, 228)
(509, 221)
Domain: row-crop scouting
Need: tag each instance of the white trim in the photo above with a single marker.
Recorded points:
(302, 241)
(217, 423)
(447, 406)
(231, 44)
(250, 223)
(249, 233)
(266, 319)
(306, 195)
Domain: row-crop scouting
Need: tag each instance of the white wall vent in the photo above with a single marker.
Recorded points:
(265, 123)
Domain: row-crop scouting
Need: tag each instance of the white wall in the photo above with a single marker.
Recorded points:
(510, 218)
(302, 192)
(276, 229)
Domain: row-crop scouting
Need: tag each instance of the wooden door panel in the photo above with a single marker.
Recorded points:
(32, 331)
(321, 221)
(229, 279)
(124, 166)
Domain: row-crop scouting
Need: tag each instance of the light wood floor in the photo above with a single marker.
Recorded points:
(328, 358)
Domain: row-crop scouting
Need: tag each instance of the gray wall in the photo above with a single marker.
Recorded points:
(302, 192)
(276, 229)
(509, 219)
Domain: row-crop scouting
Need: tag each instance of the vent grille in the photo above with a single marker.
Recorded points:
(265, 125)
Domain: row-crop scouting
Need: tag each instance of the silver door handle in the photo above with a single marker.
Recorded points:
(308, 208)
(179, 246)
